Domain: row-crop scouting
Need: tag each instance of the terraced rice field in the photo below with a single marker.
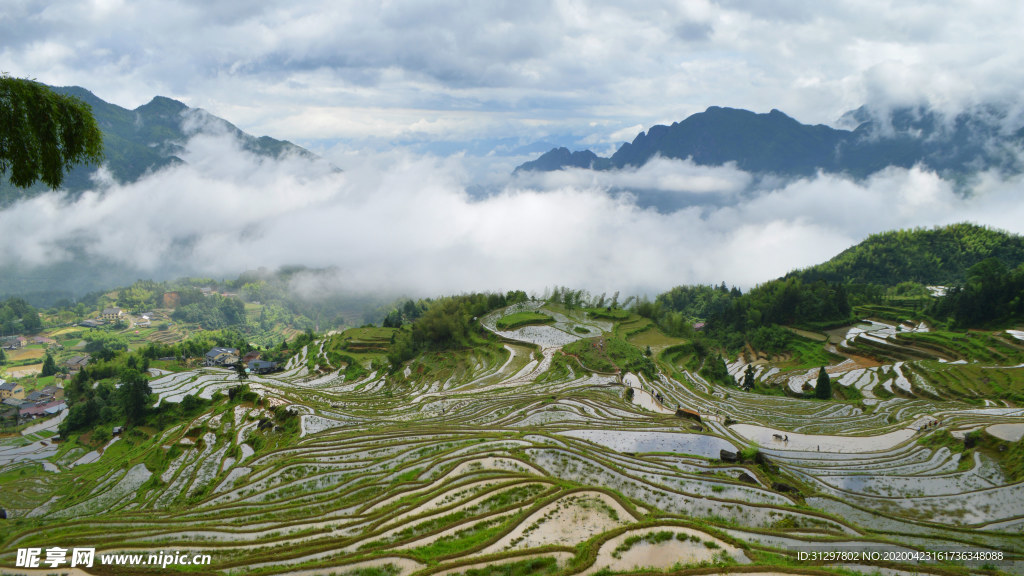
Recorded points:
(493, 460)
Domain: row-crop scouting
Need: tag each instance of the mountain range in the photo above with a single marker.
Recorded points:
(774, 143)
(146, 139)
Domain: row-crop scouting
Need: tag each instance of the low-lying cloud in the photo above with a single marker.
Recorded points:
(406, 225)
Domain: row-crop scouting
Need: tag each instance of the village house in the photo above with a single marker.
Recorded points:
(91, 323)
(55, 392)
(14, 342)
(262, 366)
(76, 363)
(30, 411)
(112, 314)
(36, 396)
(13, 402)
(11, 390)
(221, 356)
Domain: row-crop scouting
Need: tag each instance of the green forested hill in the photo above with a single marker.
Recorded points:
(144, 140)
(936, 256)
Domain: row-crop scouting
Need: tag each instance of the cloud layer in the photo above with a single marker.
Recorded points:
(310, 70)
(406, 224)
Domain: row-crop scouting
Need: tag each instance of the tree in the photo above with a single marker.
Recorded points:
(823, 388)
(3, 357)
(134, 392)
(31, 322)
(748, 377)
(49, 366)
(43, 134)
(240, 369)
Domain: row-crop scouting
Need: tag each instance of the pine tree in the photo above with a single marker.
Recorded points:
(134, 395)
(49, 366)
(748, 377)
(823, 388)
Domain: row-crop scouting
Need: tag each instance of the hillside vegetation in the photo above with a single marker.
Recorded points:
(931, 256)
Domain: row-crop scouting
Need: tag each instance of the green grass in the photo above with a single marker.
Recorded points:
(809, 354)
(531, 567)
(971, 346)
(649, 538)
(941, 439)
(608, 313)
(559, 369)
(357, 349)
(1012, 460)
(369, 334)
(655, 338)
(971, 382)
(608, 354)
(385, 570)
(463, 540)
(519, 319)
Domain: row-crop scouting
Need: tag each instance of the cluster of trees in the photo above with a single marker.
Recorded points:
(106, 402)
(579, 298)
(935, 256)
(715, 370)
(17, 317)
(302, 298)
(608, 354)
(212, 312)
(141, 296)
(733, 318)
(405, 313)
(449, 323)
(122, 394)
(104, 345)
(197, 345)
(993, 293)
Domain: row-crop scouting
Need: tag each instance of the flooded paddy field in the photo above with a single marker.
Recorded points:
(518, 459)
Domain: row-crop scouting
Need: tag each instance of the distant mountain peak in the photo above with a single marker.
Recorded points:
(563, 158)
(775, 143)
(163, 104)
